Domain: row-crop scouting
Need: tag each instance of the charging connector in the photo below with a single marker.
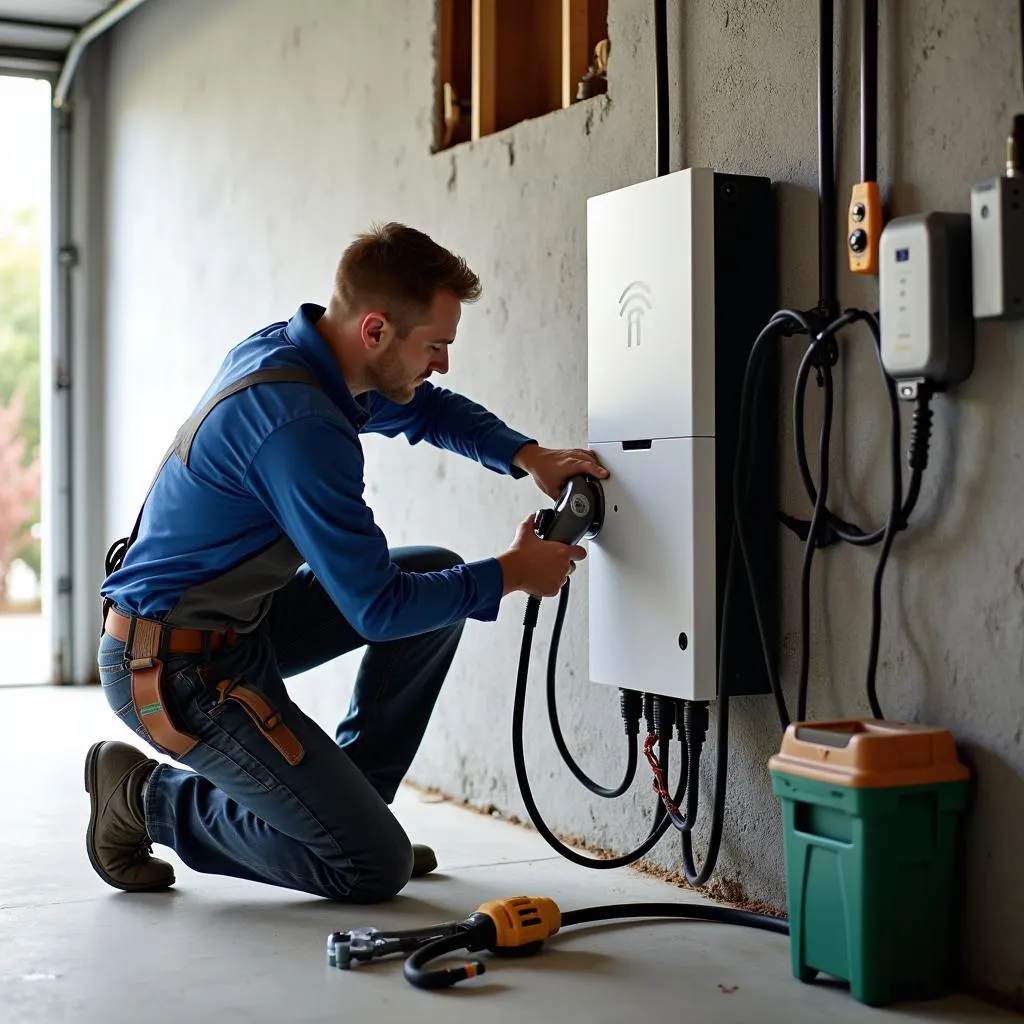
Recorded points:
(924, 286)
(997, 236)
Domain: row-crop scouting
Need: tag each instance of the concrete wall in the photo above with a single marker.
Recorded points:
(249, 140)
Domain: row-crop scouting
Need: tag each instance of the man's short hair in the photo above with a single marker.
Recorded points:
(399, 270)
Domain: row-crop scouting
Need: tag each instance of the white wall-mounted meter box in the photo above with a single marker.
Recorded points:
(681, 277)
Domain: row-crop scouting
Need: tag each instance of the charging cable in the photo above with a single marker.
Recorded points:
(661, 821)
(630, 707)
(825, 528)
(519, 927)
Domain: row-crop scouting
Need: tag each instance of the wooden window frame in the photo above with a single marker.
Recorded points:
(525, 59)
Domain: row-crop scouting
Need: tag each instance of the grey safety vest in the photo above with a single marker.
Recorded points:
(240, 597)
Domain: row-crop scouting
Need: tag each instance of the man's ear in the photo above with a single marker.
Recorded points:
(372, 330)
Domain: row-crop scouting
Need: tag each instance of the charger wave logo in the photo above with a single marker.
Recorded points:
(634, 303)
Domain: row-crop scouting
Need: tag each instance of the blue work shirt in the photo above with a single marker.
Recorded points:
(286, 459)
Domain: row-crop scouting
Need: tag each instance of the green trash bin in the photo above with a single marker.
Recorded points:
(871, 815)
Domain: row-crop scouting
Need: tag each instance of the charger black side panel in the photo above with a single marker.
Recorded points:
(746, 295)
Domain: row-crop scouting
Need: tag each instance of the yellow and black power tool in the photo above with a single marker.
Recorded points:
(511, 927)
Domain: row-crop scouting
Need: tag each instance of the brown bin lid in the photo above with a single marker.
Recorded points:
(869, 754)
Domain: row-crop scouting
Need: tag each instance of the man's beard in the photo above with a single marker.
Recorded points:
(390, 379)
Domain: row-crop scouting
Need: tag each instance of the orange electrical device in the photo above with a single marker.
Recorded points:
(864, 227)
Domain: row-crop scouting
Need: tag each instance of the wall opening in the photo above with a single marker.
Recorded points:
(505, 61)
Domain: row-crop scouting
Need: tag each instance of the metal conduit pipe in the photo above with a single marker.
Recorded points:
(100, 24)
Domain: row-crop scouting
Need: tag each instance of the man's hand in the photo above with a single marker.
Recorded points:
(552, 467)
(538, 567)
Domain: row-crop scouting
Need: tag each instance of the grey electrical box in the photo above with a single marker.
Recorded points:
(997, 242)
(924, 282)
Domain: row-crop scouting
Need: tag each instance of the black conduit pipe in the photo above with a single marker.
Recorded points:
(869, 91)
(827, 299)
(661, 84)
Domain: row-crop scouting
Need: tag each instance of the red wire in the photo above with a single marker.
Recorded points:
(659, 776)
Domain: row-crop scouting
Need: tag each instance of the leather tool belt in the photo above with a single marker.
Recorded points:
(146, 642)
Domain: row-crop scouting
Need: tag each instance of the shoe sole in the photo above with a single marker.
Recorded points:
(90, 838)
(425, 868)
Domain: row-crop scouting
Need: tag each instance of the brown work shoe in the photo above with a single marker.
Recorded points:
(423, 860)
(119, 848)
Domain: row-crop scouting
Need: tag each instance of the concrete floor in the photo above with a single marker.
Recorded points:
(224, 950)
(24, 642)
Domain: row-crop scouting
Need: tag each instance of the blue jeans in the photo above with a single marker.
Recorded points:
(324, 825)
